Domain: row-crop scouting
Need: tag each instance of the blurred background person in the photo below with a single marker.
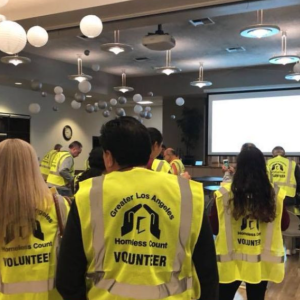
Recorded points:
(161, 155)
(248, 218)
(62, 169)
(172, 157)
(96, 168)
(47, 161)
(156, 148)
(29, 226)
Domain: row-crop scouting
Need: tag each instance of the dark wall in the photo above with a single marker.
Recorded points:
(172, 133)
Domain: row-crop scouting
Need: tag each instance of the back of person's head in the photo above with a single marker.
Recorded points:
(57, 147)
(247, 145)
(155, 136)
(253, 194)
(127, 140)
(97, 167)
(278, 150)
(23, 188)
(75, 144)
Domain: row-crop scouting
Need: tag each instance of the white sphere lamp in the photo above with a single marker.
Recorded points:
(37, 36)
(91, 26)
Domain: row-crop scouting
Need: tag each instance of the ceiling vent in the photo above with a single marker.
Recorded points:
(204, 21)
(83, 37)
(235, 49)
(141, 59)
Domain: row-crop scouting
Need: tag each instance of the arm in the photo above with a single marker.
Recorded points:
(213, 218)
(204, 258)
(285, 220)
(297, 176)
(72, 263)
(65, 167)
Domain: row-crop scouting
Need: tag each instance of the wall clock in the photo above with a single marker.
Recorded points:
(67, 132)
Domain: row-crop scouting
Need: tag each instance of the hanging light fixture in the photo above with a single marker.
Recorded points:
(296, 74)
(284, 58)
(200, 83)
(15, 60)
(80, 76)
(167, 69)
(116, 47)
(259, 30)
(123, 88)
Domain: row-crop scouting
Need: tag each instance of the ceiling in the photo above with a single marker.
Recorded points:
(206, 43)
(53, 62)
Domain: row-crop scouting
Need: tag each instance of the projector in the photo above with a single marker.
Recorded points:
(159, 41)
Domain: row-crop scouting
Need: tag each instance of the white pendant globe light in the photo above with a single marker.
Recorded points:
(123, 88)
(2, 18)
(296, 74)
(200, 83)
(13, 37)
(167, 69)
(284, 59)
(91, 26)
(15, 60)
(80, 76)
(37, 36)
(116, 47)
(3, 2)
(259, 30)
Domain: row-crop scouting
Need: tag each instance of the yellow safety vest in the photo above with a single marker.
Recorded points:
(54, 177)
(139, 240)
(248, 250)
(161, 166)
(281, 173)
(28, 264)
(46, 163)
(178, 165)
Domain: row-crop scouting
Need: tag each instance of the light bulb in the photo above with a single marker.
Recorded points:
(116, 50)
(259, 33)
(80, 79)
(124, 90)
(200, 85)
(15, 61)
(168, 71)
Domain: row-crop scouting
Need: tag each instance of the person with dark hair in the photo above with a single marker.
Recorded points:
(96, 168)
(228, 169)
(248, 218)
(46, 162)
(62, 169)
(163, 149)
(134, 233)
(172, 157)
(285, 173)
(156, 148)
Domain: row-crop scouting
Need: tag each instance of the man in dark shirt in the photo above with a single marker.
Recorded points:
(124, 141)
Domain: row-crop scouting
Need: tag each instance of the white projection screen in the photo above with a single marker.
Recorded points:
(267, 119)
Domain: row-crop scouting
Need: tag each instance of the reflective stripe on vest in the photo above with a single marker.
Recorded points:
(58, 164)
(26, 287)
(231, 256)
(175, 286)
(160, 165)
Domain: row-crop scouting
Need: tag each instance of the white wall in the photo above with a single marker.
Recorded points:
(46, 127)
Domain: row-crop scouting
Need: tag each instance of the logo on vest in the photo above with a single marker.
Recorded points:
(277, 170)
(22, 232)
(250, 230)
(130, 215)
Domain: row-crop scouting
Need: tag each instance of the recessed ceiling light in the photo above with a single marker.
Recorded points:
(18, 83)
(145, 102)
(259, 30)
(89, 96)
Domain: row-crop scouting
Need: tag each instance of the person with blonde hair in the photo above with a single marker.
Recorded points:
(29, 221)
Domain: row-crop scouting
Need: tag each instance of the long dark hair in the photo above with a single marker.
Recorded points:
(253, 194)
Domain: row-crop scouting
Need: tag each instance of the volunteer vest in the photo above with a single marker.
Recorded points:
(46, 163)
(54, 177)
(177, 163)
(248, 250)
(28, 264)
(139, 239)
(161, 166)
(281, 172)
